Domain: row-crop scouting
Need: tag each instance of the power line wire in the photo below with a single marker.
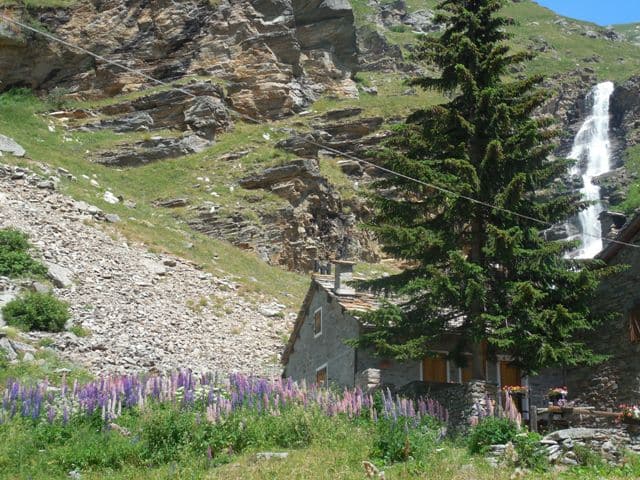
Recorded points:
(312, 142)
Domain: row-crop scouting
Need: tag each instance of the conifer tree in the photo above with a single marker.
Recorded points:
(481, 270)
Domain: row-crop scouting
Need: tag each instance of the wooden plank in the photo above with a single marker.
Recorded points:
(576, 411)
(533, 421)
(605, 414)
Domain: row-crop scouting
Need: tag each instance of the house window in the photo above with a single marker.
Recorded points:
(634, 325)
(321, 376)
(465, 372)
(317, 322)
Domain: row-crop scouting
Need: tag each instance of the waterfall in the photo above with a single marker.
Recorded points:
(592, 154)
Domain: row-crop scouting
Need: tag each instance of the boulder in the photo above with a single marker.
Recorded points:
(154, 149)
(60, 276)
(275, 175)
(573, 434)
(340, 114)
(154, 267)
(9, 145)
(7, 348)
(131, 122)
(172, 202)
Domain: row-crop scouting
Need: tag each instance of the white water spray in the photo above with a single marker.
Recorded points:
(592, 144)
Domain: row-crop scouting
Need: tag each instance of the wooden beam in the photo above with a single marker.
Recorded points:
(577, 411)
(533, 419)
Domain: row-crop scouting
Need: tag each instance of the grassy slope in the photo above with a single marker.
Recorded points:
(162, 230)
(338, 456)
(336, 450)
(568, 50)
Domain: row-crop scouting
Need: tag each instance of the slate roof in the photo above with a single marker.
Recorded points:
(359, 302)
(627, 234)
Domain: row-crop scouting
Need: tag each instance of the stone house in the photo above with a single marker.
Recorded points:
(316, 351)
(617, 380)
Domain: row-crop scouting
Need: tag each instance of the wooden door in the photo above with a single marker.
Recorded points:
(509, 375)
(466, 373)
(434, 369)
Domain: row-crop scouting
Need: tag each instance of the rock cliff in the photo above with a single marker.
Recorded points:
(276, 55)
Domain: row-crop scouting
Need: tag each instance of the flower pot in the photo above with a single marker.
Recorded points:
(558, 400)
(518, 394)
(630, 420)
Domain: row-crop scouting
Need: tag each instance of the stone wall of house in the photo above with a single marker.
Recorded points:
(312, 352)
(392, 374)
(539, 385)
(617, 380)
(465, 402)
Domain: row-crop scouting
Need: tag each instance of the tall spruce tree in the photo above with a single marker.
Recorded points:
(483, 271)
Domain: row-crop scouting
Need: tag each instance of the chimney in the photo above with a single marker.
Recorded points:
(344, 274)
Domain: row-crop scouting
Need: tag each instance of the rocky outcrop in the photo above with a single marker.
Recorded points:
(568, 103)
(27, 60)
(277, 55)
(313, 226)
(351, 136)
(397, 14)
(151, 150)
(198, 107)
(615, 184)
(625, 115)
(376, 52)
(9, 145)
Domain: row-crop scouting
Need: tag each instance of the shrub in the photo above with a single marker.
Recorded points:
(293, 429)
(80, 331)
(37, 311)
(15, 260)
(13, 240)
(531, 454)
(165, 432)
(398, 28)
(397, 441)
(57, 97)
(491, 431)
(587, 456)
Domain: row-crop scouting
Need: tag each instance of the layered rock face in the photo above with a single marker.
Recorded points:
(277, 55)
(625, 113)
(312, 226)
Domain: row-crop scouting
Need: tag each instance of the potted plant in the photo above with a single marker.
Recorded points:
(558, 396)
(630, 414)
(517, 391)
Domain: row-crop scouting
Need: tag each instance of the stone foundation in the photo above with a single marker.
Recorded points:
(465, 402)
(570, 446)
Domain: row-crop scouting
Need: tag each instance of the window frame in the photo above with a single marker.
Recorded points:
(319, 332)
(325, 367)
(633, 321)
